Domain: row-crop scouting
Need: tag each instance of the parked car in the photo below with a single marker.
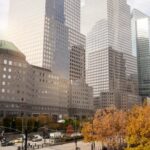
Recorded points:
(18, 140)
(6, 142)
(54, 141)
(37, 138)
(23, 136)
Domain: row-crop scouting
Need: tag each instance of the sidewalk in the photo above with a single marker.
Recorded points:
(71, 146)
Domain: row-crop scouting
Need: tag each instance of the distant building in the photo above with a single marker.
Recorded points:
(141, 45)
(108, 24)
(32, 90)
(119, 100)
(46, 33)
(77, 63)
(106, 71)
(111, 86)
(81, 99)
(111, 69)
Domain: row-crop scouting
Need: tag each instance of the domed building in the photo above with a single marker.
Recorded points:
(27, 89)
(30, 90)
(14, 70)
(9, 47)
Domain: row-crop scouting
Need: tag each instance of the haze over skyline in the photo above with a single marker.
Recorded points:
(142, 5)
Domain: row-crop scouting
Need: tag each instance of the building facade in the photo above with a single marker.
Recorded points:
(46, 33)
(111, 69)
(81, 99)
(34, 90)
(111, 86)
(77, 63)
(108, 16)
(141, 45)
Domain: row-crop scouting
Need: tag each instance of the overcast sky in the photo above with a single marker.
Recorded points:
(143, 5)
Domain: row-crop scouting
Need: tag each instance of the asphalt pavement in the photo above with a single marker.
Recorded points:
(69, 146)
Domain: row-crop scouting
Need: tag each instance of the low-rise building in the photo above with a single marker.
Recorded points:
(28, 89)
(81, 99)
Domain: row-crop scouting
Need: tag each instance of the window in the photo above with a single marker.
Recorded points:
(5, 61)
(9, 76)
(4, 76)
(4, 69)
(3, 90)
(10, 62)
(3, 83)
(9, 70)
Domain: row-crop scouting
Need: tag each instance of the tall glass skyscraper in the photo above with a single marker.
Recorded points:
(113, 16)
(110, 26)
(141, 44)
(111, 68)
(46, 31)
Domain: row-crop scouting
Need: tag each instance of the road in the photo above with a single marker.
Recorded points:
(69, 146)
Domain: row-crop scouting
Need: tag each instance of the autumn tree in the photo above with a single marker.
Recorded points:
(43, 119)
(119, 123)
(9, 123)
(19, 123)
(108, 126)
(69, 130)
(31, 123)
(87, 132)
(116, 127)
(138, 129)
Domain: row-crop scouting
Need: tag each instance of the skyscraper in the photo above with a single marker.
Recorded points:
(113, 16)
(141, 45)
(46, 31)
(111, 68)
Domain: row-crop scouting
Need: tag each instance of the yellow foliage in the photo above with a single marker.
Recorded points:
(87, 132)
(138, 129)
(106, 126)
(116, 127)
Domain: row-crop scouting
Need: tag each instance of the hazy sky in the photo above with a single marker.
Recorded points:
(143, 5)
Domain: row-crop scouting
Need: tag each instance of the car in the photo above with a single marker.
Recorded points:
(6, 142)
(18, 140)
(23, 136)
(54, 141)
(56, 135)
(37, 138)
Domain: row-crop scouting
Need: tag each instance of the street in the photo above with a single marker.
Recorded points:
(69, 146)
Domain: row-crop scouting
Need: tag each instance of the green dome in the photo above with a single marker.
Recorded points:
(5, 45)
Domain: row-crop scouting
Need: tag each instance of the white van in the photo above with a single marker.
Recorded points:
(56, 135)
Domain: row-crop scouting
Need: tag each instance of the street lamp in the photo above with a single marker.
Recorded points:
(75, 139)
(93, 143)
(24, 131)
(22, 113)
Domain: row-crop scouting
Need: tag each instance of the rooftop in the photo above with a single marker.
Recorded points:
(6, 45)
